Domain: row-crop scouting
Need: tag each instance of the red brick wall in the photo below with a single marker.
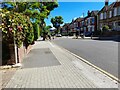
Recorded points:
(21, 53)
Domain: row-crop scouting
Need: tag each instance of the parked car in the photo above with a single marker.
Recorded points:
(58, 35)
(88, 34)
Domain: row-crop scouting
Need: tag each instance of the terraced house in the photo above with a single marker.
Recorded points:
(110, 15)
(77, 24)
(65, 29)
(89, 24)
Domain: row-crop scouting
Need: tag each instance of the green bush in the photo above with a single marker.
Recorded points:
(105, 28)
(36, 31)
(30, 35)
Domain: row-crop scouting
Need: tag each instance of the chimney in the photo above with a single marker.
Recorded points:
(106, 2)
(88, 13)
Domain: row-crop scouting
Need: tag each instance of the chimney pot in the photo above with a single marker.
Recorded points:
(106, 2)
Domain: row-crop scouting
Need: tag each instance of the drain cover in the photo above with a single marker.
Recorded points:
(47, 52)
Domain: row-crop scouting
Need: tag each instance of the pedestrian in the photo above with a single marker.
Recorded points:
(49, 36)
(44, 36)
(53, 35)
(77, 33)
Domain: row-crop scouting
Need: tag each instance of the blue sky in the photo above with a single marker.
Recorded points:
(70, 10)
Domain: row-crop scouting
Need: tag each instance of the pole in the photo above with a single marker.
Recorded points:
(15, 47)
(83, 27)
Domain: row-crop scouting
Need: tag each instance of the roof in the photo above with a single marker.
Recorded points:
(95, 12)
(66, 24)
(108, 7)
(79, 19)
(111, 6)
(117, 3)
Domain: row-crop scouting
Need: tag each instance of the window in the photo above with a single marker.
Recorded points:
(85, 29)
(82, 23)
(93, 28)
(88, 21)
(114, 24)
(88, 28)
(104, 15)
(101, 25)
(101, 16)
(92, 20)
(118, 10)
(115, 11)
(110, 14)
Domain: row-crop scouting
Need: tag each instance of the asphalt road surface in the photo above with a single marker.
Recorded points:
(103, 54)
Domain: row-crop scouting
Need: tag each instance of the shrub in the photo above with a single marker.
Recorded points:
(105, 28)
(36, 31)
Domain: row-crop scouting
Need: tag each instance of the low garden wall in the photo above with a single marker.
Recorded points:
(8, 53)
(23, 51)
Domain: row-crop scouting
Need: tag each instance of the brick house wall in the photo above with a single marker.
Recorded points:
(111, 19)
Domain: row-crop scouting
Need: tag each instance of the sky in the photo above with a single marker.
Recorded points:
(72, 10)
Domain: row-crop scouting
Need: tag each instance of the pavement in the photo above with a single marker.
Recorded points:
(7, 74)
(49, 66)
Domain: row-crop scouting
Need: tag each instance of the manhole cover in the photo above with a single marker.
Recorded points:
(47, 52)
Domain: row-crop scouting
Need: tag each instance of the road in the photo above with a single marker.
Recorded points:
(103, 54)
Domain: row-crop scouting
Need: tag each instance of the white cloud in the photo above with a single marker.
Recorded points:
(75, 18)
(81, 16)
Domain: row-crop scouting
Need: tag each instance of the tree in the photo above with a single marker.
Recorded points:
(56, 22)
(17, 19)
(47, 28)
